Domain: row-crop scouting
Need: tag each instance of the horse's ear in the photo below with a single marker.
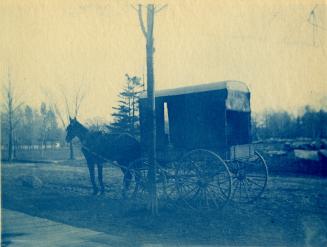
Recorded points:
(70, 119)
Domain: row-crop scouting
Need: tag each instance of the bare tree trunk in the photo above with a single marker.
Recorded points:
(12, 105)
(11, 131)
(71, 150)
(10, 141)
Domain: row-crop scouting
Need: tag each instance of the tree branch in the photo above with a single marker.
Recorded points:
(66, 103)
(53, 106)
(78, 100)
(141, 21)
(134, 7)
(158, 9)
(59, 115)
(17, 107)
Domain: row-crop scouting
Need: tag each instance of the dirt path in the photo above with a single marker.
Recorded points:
(292, 212)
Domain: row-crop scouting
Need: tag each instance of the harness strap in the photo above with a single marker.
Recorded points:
(101, 157)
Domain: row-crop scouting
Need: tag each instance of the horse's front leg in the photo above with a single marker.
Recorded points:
(127, 180)
(100, 178)
(91, 165)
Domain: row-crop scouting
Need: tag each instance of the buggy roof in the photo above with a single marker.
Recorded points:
(214, 86)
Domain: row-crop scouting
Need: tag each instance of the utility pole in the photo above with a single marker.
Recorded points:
(148, 34)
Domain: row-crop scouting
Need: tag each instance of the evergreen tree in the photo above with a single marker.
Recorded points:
(126, 117)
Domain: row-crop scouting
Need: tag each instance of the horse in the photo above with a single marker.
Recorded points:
(99, 148)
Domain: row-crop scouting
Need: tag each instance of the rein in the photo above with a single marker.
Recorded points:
(101, 157)
(83, 135)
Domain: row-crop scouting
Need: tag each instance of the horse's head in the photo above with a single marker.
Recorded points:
(72, 129)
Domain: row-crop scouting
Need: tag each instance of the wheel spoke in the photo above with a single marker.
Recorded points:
(216, 195)
(255, 176)
(240, 190)
(255, 183)
(215, 192)
(190, 191)
(202, 179)
(246, 191)
(251, 174)
(234, 190)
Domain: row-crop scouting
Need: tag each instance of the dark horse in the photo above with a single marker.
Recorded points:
(98, 148)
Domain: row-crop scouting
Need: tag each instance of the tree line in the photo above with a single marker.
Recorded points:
(311, 123)
(22, 124)
(32, 126)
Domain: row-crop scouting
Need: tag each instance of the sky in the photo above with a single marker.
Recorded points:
(51, 47)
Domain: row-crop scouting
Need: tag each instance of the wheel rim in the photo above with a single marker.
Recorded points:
(166, 186)
(203, 180)
(138, 189)
(249, 178)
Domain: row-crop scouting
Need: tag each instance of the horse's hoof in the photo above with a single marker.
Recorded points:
(102, 192)
(95, 192)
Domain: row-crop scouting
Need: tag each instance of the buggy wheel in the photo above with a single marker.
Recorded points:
(203, 180)
(166, 186)
(138, 183)
(249, 178)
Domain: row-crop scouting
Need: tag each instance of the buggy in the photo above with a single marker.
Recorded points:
(205, 156)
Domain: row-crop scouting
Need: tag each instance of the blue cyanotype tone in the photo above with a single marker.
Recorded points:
(184, 123)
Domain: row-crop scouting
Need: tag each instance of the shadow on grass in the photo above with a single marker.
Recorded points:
(8, 237)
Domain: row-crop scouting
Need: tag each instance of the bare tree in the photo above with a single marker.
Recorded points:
(79, 96)
(70, 109)
(11, 104)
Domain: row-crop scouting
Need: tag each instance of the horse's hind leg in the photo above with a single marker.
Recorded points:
(92, 177)
(100, 178)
